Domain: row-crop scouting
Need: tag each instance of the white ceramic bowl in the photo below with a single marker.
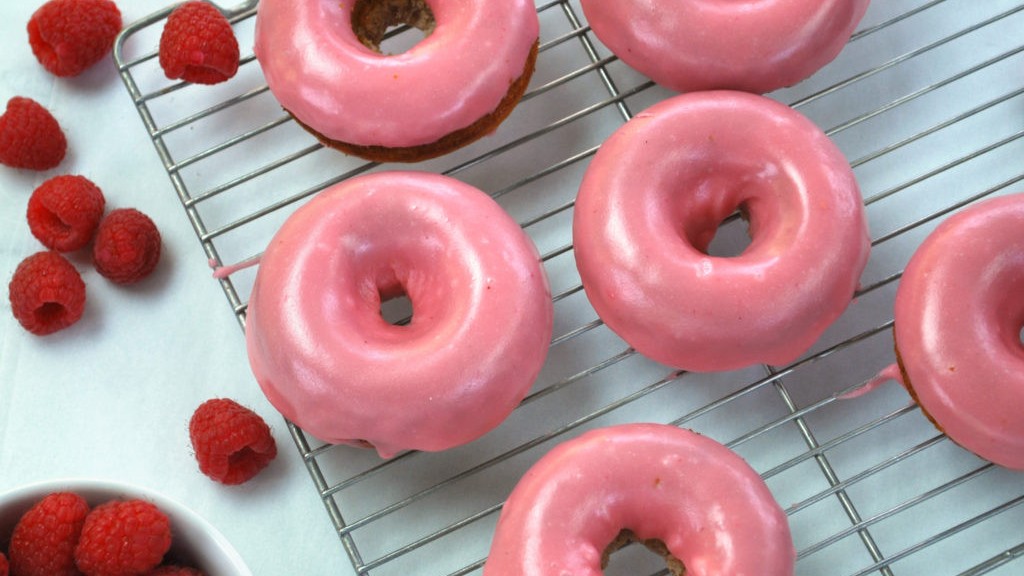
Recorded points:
(195, 541)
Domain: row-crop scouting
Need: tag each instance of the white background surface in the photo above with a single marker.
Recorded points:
(110, 397)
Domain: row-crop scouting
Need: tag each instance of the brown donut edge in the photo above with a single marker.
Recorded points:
(448, 143)
(905, 380)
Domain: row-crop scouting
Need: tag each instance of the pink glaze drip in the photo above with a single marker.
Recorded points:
(959, 312)
(221, 272)
(887, 374)
(752, 45)
(713, 511)
(480, 329)
(652, 199)
(320, 72)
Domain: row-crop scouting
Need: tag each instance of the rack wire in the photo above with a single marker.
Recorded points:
(926, 101)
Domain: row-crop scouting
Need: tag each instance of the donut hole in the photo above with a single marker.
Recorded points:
(396, 309)
(727, 209)
(386, 288)
(717, 226)
(384, 25)
(731, 238)
(612, 563)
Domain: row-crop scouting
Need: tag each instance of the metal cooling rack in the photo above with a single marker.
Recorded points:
(927, 102)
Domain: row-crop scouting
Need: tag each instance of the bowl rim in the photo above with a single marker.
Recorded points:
(191, 529)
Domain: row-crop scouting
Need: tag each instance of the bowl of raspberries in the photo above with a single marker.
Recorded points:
(80, 527)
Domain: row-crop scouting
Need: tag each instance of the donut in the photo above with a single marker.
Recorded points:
(322, 62)
(959, 313)
(688, 497)
(481, 322)
(751, 45)
(652, 199)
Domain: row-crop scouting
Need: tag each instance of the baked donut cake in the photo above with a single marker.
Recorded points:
(959, 316)
(751, 45)
(322, 61)
(652, 199)
(481, 324)
(689, 498)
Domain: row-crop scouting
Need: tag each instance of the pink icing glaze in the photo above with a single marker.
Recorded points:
(713, 511)
(752, 45)
(320, 72)
(652, 200)
(887, 374)
(481, 324)
(222, 272)
(959, 313)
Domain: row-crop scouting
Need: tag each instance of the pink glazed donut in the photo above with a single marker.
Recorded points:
(705, 507)
(752, 45)
(959, 314)
(482, 314)
(322, 62)
(650, 204)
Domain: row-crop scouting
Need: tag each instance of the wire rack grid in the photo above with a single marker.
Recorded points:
(926, 101)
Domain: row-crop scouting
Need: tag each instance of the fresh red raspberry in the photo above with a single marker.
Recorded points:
(5, 568)
(127, 246)
(30, 136)
(171, 570)
(43, 541)
(64, 212)
(123, 538)
(198, 45)
(232, 443)
(69, 36)
(46, 292)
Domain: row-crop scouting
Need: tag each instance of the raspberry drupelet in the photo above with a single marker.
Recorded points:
(64, 212)
(44, 539)
(47, 293)
(127, 246)
(70, 36)
(232, 443)
(198, 45)
(30, 136)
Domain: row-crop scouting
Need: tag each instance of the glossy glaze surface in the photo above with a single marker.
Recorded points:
(752, 45)
(480, 328)
(708, 506)
(320, 72)
(652, 199)
(959, 315)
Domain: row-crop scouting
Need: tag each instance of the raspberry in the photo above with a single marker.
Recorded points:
(43, 541)
(46, 293)
(170, 570)
(64, 212)
(68, 36)
(5, 568)
(127, 246)
(232, 443)
(123, 538)
(30, 136)
(198, 45)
